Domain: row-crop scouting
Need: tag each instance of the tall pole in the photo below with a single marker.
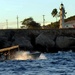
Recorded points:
(17, 22)
(62, 14)
(43, 20)
(7, 23)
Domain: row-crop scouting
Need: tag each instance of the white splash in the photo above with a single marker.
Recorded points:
(22, 55)
(26, 55)
(42, 56)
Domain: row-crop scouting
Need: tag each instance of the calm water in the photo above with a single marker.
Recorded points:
(61, 63)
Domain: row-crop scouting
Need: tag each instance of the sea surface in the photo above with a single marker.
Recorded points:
(61, 63)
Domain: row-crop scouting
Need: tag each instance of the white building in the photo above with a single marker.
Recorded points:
(70, 24)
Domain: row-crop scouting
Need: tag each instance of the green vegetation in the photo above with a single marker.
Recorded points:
(55, 13)
(52, 25)
(70, 18)
(30, 24)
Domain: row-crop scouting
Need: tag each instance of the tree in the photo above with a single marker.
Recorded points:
(54, 13)
(30, 23)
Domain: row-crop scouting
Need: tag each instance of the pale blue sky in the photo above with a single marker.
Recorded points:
(9, 9)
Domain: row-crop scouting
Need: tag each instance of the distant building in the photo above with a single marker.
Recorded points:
(70, 24)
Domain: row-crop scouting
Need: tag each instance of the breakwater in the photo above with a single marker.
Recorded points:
(46, 40)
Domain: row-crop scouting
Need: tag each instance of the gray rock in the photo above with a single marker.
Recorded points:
(64, 42)
(22, 42)
(8, 43)
(4, 42)
(45, 39)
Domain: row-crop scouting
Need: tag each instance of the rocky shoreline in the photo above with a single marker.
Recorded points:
(52, 40)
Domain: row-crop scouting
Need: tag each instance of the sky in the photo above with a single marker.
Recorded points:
(9, 9)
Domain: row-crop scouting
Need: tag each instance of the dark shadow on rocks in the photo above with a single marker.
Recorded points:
(40, 48)
(2, 43)
(52, 50)
(9, 34)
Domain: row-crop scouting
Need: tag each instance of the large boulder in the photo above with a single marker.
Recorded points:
(23, 43)
(45, 39)
(64, 42)
(4, 42)
(9, 34)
